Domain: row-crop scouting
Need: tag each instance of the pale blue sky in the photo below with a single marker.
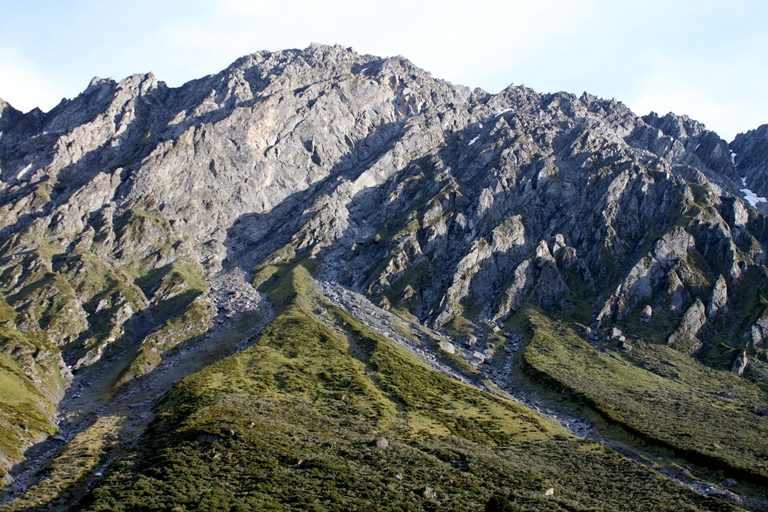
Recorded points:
(706, 58)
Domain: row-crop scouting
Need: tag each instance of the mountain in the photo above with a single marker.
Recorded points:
(325, 280)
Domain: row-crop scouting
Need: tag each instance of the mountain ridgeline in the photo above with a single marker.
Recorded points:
(329, 281)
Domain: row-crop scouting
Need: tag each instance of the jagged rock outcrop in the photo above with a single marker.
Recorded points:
(8, 115)
(758, 332)
(718, 301)
(684, 338)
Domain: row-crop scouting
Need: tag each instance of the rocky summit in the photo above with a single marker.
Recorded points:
(329, 281)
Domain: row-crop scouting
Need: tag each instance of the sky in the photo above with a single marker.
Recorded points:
(707, 59)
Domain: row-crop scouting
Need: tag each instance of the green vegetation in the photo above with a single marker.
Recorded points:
(192, 321)
(30, 382)
(291, 423)
(709, 416)
(282, 281)
(66, 475)
(61, 295)
(24, 410)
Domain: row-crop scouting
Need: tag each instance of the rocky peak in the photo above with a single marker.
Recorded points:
(8, 115)
(687, 142)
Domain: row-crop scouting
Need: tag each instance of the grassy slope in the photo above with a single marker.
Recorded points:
(25, 410)
(289, 423)
(659, 394)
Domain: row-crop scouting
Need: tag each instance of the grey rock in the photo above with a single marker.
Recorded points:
(740, 364)
(8, 115)
(380, 442)
(758, 332)
(428, 493)
(718, 300)
(478, 357)
(684, 338)
(447, 346)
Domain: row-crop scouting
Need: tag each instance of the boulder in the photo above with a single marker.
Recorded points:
(428, 493)
(646, 314)
(380, 442)
(447, 346)
(478, 357)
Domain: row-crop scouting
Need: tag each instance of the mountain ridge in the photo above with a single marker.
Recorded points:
(142, 222)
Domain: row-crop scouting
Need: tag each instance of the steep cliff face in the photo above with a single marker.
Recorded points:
(750, 154)
(135, 217)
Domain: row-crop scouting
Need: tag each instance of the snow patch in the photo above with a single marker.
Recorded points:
(500, 112)
(480, 125)
(22, 173)
(733, 158)
(364, 70)
(750, 196)
(697, 146)
(473, 141)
